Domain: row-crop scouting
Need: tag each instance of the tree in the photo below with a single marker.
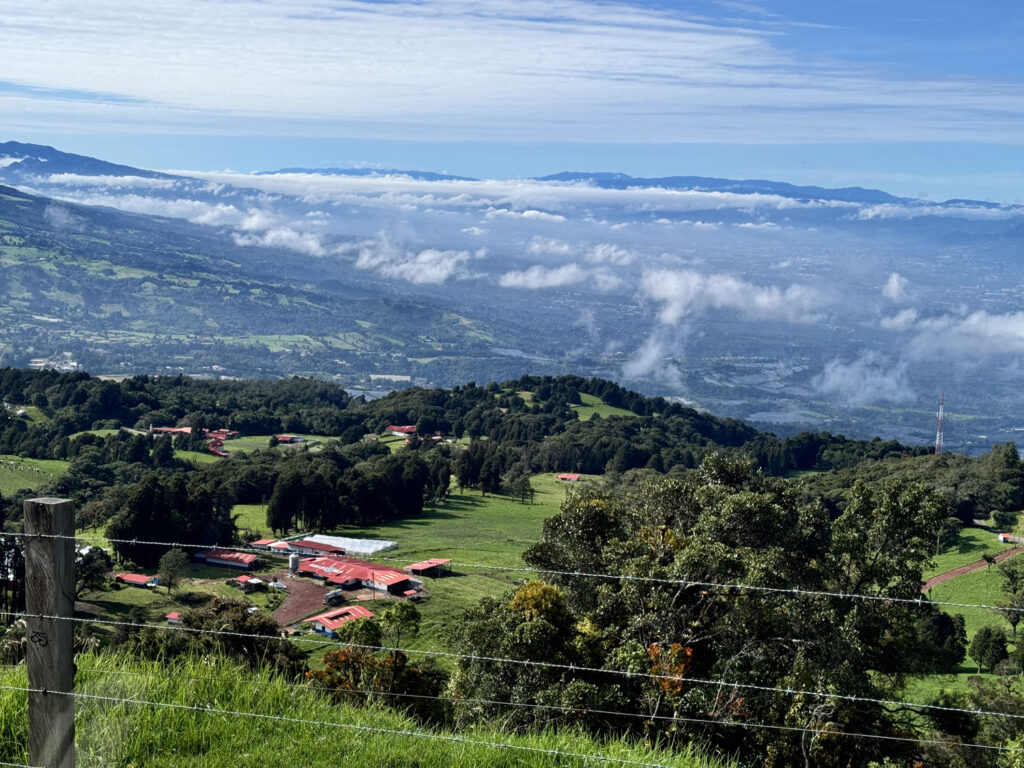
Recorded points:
(398, 621)
(172, 568)
(285, 501)
(91, 570)
(988, 647)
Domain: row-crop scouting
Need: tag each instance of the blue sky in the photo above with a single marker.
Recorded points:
(918, 98)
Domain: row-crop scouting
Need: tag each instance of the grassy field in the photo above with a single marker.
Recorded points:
(473, 529)
(252, 719)
(17, 473)
(973, 543)
(595, 406)
(258, 442)
(982, 587)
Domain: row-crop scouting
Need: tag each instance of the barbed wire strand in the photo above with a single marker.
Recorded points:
(685, 582)
(504, 745)
(463, 700)
(533, 663)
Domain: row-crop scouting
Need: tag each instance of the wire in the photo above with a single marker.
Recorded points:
(504, 745)
(544, 664)
(724, 586)
(348, 726)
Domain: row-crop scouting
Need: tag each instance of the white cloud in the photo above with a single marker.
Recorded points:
(956, 211)
(651, 361)
(870, 378)
(116, 182)
(684, 293)
(519, 70)
(542, 277)
(7, 160)
(429, 266)
(474, 231)
(529, 213)
(541, 246)
(895, 287)
(608, 253)
(901, 321)
(283, 237)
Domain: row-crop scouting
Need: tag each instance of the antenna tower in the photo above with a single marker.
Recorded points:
(938, 431)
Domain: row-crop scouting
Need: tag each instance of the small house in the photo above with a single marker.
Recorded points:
(569, 477)
(173, 618)
(247, 583)
(1005, 538)
(328, 623)
(400, 431)
(135, 580)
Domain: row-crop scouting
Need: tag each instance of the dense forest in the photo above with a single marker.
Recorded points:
(685, 497)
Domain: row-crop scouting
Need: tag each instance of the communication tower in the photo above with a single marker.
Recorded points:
(938, 431)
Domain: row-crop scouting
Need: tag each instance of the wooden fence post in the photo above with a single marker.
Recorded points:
(50, 591)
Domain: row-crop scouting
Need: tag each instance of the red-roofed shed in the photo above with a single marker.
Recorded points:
(134, 579)
(328, 623)
(228, 559)
(399, 431)
(569, 477)
(435, 566)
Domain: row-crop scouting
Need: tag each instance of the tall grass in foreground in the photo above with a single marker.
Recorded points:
(111, 732)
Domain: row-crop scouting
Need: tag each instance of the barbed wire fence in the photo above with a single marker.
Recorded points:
(57, 618)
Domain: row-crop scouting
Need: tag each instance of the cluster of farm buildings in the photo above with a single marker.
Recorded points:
(327, 559)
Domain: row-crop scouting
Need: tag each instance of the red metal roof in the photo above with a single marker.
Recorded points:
(569, 476)
(133, 578)
(407, 430)
(316, 545)
(173, 616)
(341, 570)
(226, 554)
(423, 565)
(263, 542)
(331, 620)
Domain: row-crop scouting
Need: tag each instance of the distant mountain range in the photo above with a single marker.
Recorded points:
(35, 159)
(792, 307)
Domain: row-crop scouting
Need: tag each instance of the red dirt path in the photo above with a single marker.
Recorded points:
(977, 566)
(305, 597)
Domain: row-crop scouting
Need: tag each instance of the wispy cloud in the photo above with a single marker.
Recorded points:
(542, 277)
(869, 378)
(495, 70)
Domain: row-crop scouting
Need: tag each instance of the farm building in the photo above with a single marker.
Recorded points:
(398, 431)
(328, 623)
(350, 573)
(174, 617)
(315, 548)
(290, 439)
(222, 434)
(357, 547)
(262, 544)
(171, 430)
(247, 583)
(435, 566)
(228, 559)
(1005, 538)
(135, 579)
(569, 477)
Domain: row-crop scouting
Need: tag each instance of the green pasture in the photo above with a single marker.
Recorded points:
(195, 713)
(17, 473)
(592, 406)
(973, 543)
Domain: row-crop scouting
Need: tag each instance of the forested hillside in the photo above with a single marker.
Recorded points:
(702, 583)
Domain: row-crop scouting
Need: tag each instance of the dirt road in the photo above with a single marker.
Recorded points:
(977, 566)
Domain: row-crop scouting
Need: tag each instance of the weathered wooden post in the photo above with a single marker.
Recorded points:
(50, 592)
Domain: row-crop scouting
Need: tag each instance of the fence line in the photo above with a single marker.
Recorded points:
(504, 745)
(546, 665)
(684, 582)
